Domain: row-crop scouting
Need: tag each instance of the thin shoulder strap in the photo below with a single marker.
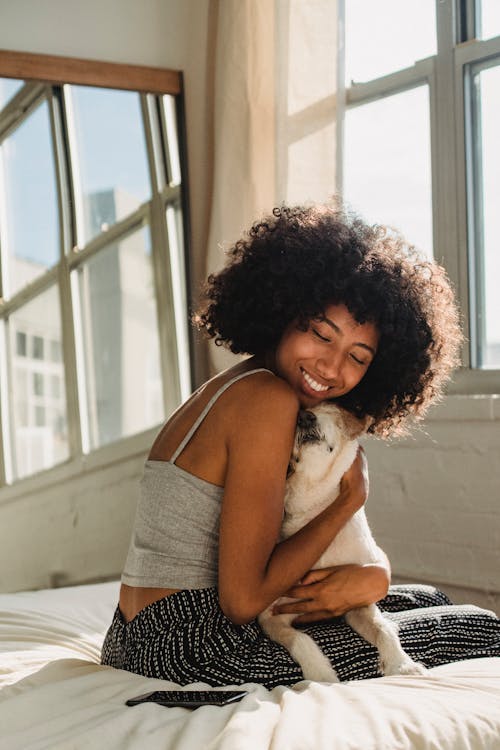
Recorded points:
(207, 408)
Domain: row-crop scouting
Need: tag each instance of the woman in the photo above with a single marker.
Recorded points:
(327, 308)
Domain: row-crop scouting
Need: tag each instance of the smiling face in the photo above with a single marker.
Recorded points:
(329, 358)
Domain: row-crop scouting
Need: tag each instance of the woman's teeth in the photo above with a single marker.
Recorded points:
(313, 384)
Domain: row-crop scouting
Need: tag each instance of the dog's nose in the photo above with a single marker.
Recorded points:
(306, 420)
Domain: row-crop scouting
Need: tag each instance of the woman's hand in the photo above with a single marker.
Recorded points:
(331, 592)
(354, 484)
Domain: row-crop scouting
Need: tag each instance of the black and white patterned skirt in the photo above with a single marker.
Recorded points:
(186, 637)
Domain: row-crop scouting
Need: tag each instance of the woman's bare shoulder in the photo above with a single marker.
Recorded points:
(263, 390)
(265, 406)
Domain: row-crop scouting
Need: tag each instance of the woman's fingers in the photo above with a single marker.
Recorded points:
(298, 606)
(321, 614)
(317, 574)
(306, 610)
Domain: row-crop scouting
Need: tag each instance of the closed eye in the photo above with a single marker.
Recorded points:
(318, 334)
(359, 361)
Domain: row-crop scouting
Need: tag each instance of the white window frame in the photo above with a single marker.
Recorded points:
(455, 235)
(170, 273)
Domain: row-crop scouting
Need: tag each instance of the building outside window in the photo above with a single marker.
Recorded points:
(91, 270)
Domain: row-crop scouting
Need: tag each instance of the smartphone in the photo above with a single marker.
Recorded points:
(189, 698)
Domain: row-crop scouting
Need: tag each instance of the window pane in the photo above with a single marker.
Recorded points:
(387, 166)
(8, 87)
(30, 233)
(122, 385)
(110, 163)
(387, 35)
(21, 349)
(488, 83)
(38, 384)
(176, 246)
(489, 22)
(55, 351)
(174, 166)
(38, 344)
(39, 415)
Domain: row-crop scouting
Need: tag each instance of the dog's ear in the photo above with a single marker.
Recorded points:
(355, 427)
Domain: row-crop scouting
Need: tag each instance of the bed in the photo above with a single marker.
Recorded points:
(54, 694)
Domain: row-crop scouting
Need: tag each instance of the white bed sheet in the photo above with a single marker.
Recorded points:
(56, 696)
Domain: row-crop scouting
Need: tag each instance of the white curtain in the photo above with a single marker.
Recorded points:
(275, 109)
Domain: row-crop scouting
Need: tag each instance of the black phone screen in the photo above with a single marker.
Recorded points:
(189, 698)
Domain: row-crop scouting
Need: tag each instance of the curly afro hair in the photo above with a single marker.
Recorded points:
(297, 261)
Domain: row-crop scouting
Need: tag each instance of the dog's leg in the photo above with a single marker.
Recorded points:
(371, 624)
(313, 662)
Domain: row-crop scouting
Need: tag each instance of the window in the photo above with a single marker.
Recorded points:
(386, 36)
(487, 18)
(38, 347)
(117, 308)
(420, 146)
(21, 349)
(38, 384)
(485, 102)
(109, 157)
(30, 228)
(30, 429)
(55, 386)
(55, 351)
(93, 314)
(8, 88)
(388, 162)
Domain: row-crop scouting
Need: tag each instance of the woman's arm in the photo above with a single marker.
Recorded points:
(331, 592)
(253, 569)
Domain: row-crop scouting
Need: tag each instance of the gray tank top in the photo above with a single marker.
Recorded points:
(175, 537)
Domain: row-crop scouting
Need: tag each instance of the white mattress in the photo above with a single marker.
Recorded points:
(55, 695)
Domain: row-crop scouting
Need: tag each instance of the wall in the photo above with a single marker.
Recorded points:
(434, 500)
(73, 529)
(58, 529)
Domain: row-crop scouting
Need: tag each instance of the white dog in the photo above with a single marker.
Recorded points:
(325, 446)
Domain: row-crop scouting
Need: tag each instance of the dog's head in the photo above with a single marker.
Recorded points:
(321, 435)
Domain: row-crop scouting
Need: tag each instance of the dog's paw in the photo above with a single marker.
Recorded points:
(408, 666)
(412, 667)
(323, 673)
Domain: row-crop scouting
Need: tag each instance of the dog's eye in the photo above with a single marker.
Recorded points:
(330, 449)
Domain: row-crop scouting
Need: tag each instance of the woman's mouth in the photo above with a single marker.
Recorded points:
(313, 384)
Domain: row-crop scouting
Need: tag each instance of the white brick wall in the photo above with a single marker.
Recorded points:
(72, 525)
(434, 503)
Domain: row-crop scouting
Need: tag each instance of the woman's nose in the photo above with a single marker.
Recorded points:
(330, 367)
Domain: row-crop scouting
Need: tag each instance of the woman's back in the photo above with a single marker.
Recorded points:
(174, 543)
